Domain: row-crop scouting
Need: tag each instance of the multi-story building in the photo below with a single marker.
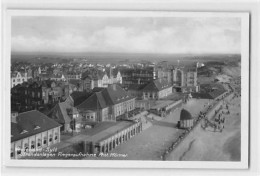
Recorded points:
(73, 75)
(18, 78)
(185, 79)
(35, 95)
(132, 76)
(107, 104)
(32, 131)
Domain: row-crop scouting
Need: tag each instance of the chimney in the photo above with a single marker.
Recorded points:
(14, 115)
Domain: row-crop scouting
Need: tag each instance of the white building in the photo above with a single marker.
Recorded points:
(18, 78)
(32, 131)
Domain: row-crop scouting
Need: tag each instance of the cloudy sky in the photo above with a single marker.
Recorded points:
(132, 35)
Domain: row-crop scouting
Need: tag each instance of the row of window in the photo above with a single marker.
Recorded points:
(26, 147)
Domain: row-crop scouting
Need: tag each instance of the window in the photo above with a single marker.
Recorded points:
(39, 144)
(18, 151)
(45, 141)
(13, 80)
(32, 145)
(12, 154)
(50, 138)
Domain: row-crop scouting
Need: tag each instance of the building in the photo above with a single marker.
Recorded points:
(112, 137)
(185, 79)
(68, 116)
(57, 77)
(132, 76)
(153, 90)
(106, 104)
(34, 95)
(18, 78)
(210, 91)
(98, 78)
(186, 119)
(73, 75)
(32, 131)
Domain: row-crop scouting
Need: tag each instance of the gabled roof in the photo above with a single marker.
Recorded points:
(136, 87)
(157, 85)
(78, 97)
(94, 102)
(60, 112)
(28, 121)
(104, 97)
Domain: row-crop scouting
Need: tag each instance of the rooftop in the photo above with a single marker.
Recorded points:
(31, 123)
(103, 135)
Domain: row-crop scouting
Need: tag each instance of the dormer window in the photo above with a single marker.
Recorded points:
(24, 131)
(37, 127)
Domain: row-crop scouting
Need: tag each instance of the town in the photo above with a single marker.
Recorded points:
(139, 110)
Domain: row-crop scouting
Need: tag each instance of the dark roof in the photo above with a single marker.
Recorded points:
(93, 74)
(75, 82)
(94, 102)
(29, 121)
(157, 85)
(185, 115)
(60, 113)
(104, 97)
(136, 86)
(210, 91)
(78, 97)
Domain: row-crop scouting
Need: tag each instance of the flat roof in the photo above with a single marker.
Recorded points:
(161, 104)
(110, 131)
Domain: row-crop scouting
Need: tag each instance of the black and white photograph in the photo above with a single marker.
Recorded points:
(128, 87)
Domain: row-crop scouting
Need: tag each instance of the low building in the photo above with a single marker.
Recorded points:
(210, 91)
(32, 131)
(186, 119)
(112, 137)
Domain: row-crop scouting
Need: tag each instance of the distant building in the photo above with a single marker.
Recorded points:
(18, 78)
(97, 78)
(185, 80)
(73, 75)
(57, 77)
(32, 131)
(34, 95)
(131, 76)
(186, 119)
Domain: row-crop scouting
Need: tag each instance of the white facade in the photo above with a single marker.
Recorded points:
(18, 78)
(35, 143)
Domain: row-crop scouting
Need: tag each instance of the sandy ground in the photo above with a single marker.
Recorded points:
(205, 145)
(152, 142)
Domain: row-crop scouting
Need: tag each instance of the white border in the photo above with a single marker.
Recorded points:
(129, 164)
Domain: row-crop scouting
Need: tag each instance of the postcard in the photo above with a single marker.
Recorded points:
(126, 89)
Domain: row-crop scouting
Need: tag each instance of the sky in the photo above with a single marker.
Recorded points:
(169, 35)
